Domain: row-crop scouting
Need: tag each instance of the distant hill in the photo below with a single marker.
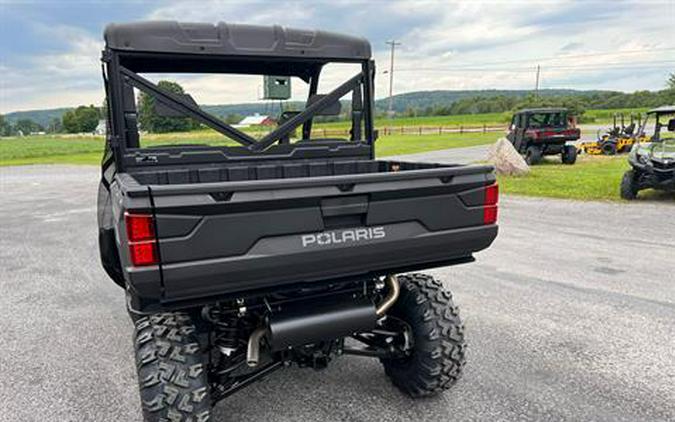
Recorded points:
(424, 99)
(41, 117)
(416, 100)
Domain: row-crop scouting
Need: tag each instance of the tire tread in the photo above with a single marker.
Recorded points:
(171, 373)
(440, 350)
(628, 190)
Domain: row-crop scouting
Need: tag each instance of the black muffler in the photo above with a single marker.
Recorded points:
(307, 322)
(311, 322)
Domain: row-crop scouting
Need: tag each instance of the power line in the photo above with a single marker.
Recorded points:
(393, 45)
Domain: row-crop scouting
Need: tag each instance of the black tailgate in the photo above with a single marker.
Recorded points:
(217, 238)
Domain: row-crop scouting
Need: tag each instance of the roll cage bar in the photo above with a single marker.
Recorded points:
(657, 113)
(182, 106)
(120, 79)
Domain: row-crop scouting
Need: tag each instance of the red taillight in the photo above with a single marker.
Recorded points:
(490, 204)
(141, 239)
(490, 214)
(143, 253)
(491, 194)
(139, 227)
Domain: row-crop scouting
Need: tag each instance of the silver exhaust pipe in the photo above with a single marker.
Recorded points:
(390, 299)
(253, 348)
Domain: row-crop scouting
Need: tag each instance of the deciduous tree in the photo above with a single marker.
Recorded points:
(83, 119)
(152, 122)
(27, 126)
(5, 126)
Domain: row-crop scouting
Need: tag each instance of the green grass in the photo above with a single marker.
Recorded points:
(410, 144)
(30, 147)
(89, 149)
(79, 159)
(456, 120)
(86, 149)
(490, 119)
(591, 178)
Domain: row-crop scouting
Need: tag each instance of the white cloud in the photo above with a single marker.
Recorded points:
(465, 26)
(506, 40)
(55, 79)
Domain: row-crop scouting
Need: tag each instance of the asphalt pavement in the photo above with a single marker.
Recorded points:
(453, 155)
(570, 315)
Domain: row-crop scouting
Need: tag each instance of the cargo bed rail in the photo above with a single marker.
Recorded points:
(444, 174)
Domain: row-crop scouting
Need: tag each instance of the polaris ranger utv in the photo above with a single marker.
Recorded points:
(653, 162)
(239, 260)
(537, 132)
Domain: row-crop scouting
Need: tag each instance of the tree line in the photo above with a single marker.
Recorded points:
(85, 119)
(578, 104)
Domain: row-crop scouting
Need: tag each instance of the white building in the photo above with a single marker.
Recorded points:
(256, 119)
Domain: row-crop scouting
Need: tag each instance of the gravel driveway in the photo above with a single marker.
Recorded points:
(570, 316)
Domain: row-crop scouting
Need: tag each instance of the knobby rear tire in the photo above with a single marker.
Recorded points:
(172, 372)
(629, 188)
(569, 154)
(438, 356)
(533, 155)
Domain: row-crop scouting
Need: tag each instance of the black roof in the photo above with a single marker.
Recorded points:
(541, 110)
(226, 39)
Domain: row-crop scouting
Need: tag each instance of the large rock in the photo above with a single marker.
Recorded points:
(506, 159)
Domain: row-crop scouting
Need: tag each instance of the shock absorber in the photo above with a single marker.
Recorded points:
(227, 340)
(229, 329)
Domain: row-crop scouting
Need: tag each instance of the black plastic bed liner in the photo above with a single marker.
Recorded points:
(278, 170)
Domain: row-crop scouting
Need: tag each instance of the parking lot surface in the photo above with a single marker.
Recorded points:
(570, 316)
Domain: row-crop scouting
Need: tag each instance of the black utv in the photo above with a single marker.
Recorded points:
(536, 132)
(239, 260)
(653, 162)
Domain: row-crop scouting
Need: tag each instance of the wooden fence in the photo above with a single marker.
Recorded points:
(414, 130)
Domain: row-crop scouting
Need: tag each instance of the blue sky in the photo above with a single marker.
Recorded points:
(49, 50)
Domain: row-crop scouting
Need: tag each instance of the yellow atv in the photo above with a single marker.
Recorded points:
(618, 139)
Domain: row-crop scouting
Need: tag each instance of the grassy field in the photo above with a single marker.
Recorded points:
(457, 120)
(591, 178)
(410, 144)
(88, 149)
(605, 116)
(491, 119)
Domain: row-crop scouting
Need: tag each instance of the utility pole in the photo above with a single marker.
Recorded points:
(536, 85)
(393, 45)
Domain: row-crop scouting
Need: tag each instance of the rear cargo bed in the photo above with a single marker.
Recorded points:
(227, 229)
(276, 170)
